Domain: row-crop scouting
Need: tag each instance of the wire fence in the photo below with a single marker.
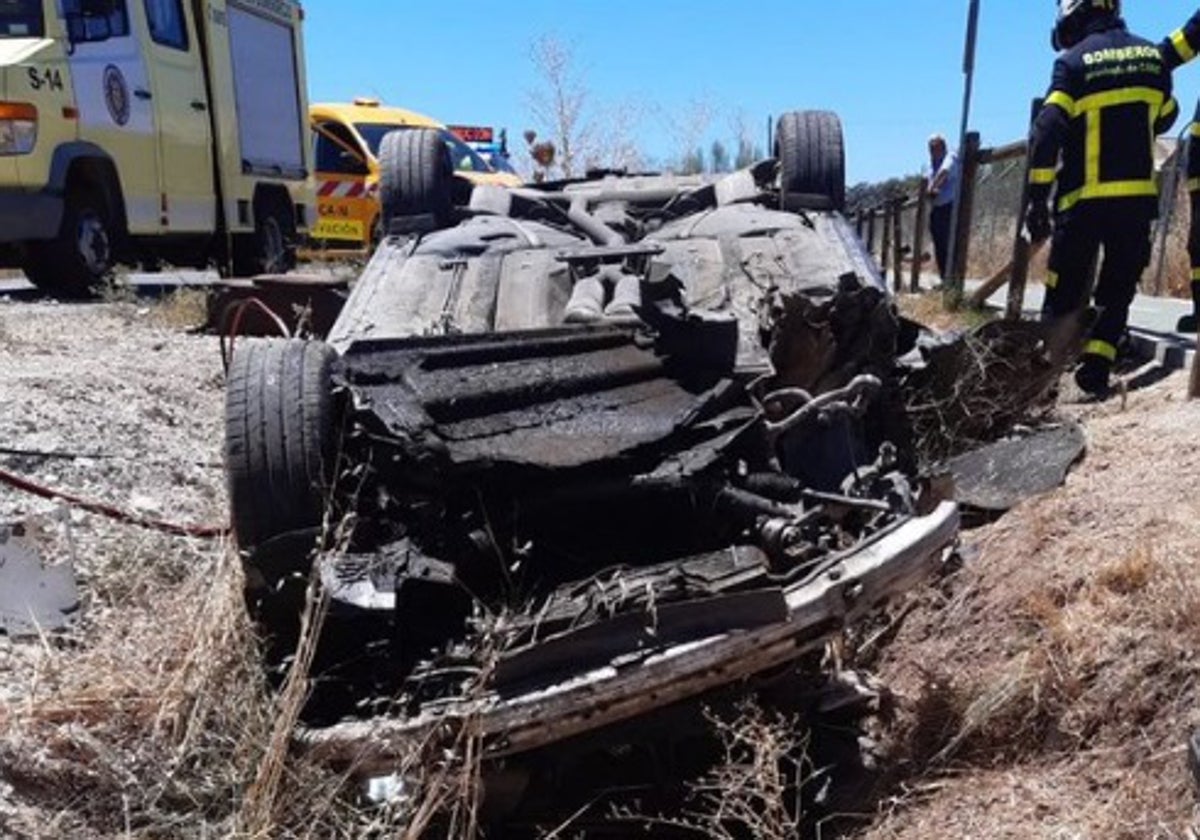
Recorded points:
(896, 229)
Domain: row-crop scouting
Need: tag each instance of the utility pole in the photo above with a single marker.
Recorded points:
(955, 276)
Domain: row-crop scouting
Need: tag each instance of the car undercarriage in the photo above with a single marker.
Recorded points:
(579, 451)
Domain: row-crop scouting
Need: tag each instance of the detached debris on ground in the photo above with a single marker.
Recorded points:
(35, 598)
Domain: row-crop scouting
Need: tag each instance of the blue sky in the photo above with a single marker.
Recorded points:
(892, 70)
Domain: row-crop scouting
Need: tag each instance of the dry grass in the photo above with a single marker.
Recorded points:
(930, 310)
(182, 309)
(753, 790)
(1066, 674)
(154, 720)
(149, 716)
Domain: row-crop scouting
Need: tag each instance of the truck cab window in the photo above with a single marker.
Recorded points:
(21, 19)
(334, 151)
(84, 26)
(168, 26)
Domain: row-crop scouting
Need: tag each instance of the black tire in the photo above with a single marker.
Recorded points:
(812, 157)
(78, 261)
(416, 176)
(279, 437)
(271, 249)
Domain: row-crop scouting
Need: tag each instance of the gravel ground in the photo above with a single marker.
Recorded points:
(118, 404)
(136, 398)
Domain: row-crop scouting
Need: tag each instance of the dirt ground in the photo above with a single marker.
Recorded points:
(1044, 689)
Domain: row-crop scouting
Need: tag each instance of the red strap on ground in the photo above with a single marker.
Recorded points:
(33, 488)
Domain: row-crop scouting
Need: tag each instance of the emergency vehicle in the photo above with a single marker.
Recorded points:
(148, 131)
(347, 137)
(491, 147)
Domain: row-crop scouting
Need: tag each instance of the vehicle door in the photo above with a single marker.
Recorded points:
(347, 208)
(113, 100)
(189, 202)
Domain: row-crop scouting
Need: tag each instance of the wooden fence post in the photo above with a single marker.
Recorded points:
(886, 248)
(1022, 247)
(919, 238)
(963, 213)
(871, 231)
(898, 245)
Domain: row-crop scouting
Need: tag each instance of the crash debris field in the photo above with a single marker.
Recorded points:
(1044, 688)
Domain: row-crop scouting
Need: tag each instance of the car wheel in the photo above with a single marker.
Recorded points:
(279, 437)
(80, 259)
(812, 158)
(270, 249)
(416, 177)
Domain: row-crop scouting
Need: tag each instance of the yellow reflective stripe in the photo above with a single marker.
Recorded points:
(1063, 101)
(1111, 189)
(1052, 280)
(1092, 107)
(1196, 275)
(1100, 348)
(1193, 184)
(1042, 176)
(1091, 166)
(1180, 42)
(1168, 108)
(1124, 96)
(1194, 129)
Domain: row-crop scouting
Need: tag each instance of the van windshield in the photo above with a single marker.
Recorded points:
(21, 19)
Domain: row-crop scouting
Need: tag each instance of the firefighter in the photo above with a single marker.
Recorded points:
(1182, 45)
(1109, 97)
(1177, 49)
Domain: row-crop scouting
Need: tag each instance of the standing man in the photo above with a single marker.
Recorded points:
(1110, 96)
(941, 186)
(1177, 49)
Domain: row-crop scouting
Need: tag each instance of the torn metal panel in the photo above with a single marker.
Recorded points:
(1001, 475)
(34, 598)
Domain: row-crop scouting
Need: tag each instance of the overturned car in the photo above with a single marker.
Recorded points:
(580, 451)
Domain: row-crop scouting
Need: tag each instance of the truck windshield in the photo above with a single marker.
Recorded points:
(21, 19)
(465, 158)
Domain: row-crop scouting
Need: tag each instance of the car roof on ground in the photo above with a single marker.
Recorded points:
(355, 112)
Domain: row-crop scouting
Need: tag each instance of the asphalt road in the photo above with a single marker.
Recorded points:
(1152, 323)
(148, 284)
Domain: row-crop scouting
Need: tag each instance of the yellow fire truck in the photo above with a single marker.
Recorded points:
(347, 138)
(142, 131)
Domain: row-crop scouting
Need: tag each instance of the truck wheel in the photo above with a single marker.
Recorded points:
(271, 249)
(416, 175)
(77, 261)
(812, 158)
(279, 437)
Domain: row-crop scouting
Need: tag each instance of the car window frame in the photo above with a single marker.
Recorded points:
(322, 131)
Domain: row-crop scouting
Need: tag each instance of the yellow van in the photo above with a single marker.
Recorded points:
(143, 131)
(346, 140)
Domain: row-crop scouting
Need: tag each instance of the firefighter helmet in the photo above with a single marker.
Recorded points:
(1074, 16)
